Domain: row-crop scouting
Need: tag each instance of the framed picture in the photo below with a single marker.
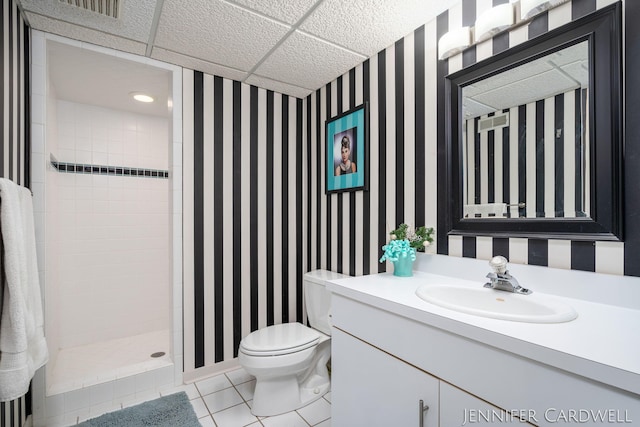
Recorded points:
(347, 155)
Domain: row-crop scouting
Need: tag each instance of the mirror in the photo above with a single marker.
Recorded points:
(533, 137)
(524, 134)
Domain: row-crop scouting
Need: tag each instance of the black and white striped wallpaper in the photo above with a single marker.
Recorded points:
(14, 141)
(256, 214)
(347, 230)
(537, 159)
(14, 51)
(243, 225)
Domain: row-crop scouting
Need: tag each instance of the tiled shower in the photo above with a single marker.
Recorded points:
(107, 185)
(108, 240)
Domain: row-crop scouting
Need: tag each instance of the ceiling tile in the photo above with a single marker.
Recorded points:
(230, 38)
(368, 26)
(217, 32)
(579, 71)
(276, 86)
(535, 80)
(305, 61)
(513, 75)
(283, 10)
(134, 22)
(576, 53)
(76, 32)
(197, 64)
(531, 89)
(471, 108)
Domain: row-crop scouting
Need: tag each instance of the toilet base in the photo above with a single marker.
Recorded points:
(289, 396)
(275, 396)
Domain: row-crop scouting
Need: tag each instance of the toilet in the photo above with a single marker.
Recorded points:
(289, 360)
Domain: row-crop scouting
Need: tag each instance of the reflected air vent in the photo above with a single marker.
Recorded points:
(494, 122)
(110, 8)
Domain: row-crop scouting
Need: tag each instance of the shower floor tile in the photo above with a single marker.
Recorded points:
(92, 364)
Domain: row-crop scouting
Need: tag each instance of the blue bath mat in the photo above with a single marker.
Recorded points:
(168, 411)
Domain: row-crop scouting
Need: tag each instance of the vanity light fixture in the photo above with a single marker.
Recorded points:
(453, 42)
(493, 21)
(498, 19)
(141, 97)
(530, 8)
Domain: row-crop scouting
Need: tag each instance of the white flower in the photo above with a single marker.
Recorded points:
(426, 243)
(393, 236)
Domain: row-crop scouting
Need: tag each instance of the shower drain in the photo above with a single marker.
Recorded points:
(158, 354)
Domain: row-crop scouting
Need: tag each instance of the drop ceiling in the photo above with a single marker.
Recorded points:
(289, 46)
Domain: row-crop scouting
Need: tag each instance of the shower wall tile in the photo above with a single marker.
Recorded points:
(98, 135)
(54, 199)
(113, 244)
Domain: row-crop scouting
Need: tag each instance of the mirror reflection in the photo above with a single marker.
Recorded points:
(525, 140)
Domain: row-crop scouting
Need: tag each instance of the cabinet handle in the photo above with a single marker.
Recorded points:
(423, 408)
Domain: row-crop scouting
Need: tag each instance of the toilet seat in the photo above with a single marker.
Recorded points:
(279, 339)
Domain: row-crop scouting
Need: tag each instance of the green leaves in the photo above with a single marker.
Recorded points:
(418, 238)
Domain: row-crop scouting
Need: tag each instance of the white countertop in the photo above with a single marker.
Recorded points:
(601, 344)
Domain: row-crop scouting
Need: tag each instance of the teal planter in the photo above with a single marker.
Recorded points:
(403, 267)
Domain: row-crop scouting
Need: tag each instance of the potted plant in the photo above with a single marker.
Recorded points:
(404, 242)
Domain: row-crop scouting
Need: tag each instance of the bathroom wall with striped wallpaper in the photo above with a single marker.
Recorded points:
(256, 216)
(255, 213)
(347, 230)
(404, 86)
(243, 224)
(14, 51)
(14, 133)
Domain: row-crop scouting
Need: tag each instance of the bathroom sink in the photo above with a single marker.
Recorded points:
(534, 308)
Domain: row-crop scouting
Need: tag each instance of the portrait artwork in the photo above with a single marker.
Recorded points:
(346, 151)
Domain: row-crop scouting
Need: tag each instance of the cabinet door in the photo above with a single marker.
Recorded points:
(458, 408)
(372, 388)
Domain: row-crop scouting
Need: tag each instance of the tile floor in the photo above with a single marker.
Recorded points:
(225, 400)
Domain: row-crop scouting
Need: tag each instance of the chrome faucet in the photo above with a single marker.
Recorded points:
(501, 280)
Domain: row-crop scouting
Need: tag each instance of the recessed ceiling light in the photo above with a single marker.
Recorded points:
(141, 97)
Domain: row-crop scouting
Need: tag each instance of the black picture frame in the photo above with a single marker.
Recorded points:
(349, 130)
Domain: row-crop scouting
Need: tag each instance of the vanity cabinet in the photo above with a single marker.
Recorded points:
(387, 357)
(373, 388)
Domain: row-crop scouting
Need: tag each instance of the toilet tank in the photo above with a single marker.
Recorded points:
(317, 298)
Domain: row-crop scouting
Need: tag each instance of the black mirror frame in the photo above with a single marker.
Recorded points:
(603, 30)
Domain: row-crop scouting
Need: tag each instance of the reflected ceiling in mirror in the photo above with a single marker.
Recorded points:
(525, 150)
(545, 77)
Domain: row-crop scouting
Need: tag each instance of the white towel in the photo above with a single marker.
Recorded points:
(23, 348)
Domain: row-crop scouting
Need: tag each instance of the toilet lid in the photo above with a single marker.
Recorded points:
(280, 339)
